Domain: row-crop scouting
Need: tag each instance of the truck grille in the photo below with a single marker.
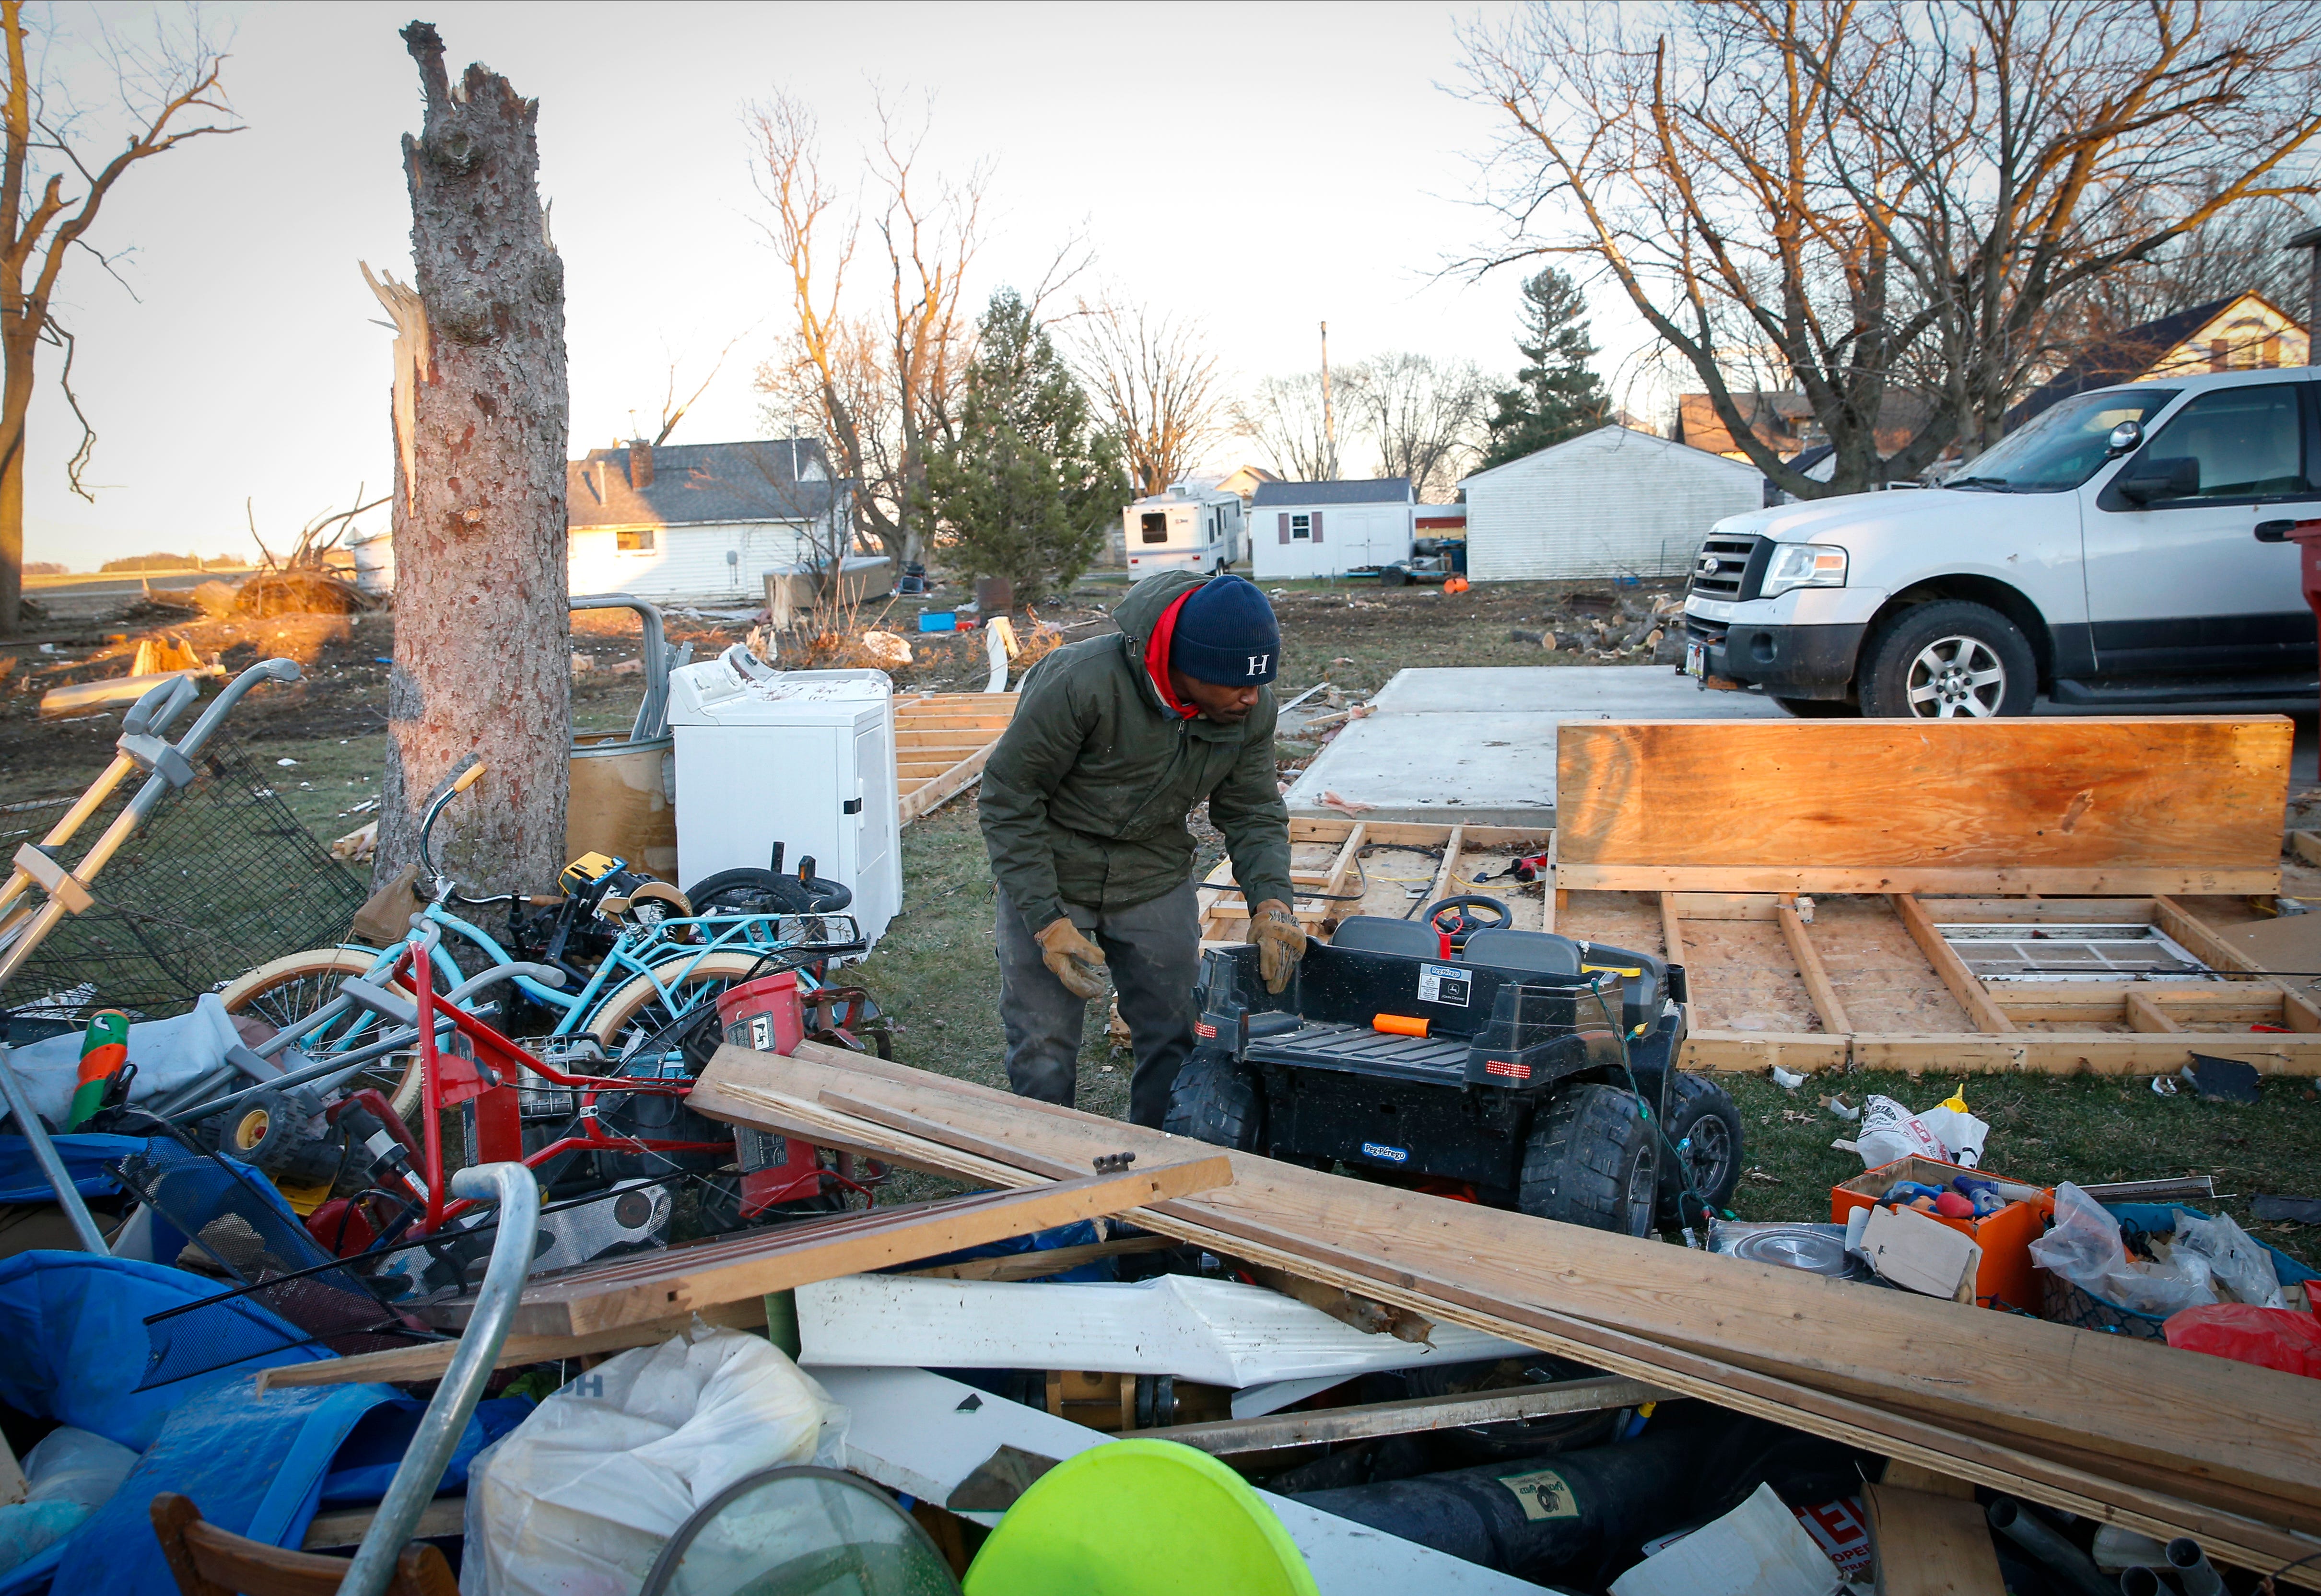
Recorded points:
(1723, 564)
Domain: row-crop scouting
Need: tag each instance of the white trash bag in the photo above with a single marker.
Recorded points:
(68, 1475)
(579, 1498)
(2085, 1249)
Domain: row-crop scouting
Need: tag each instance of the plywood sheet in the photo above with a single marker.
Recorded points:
(2186, 805)
(1740, 971)
(1884, 981)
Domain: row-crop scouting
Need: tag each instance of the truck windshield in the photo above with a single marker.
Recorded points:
(2061, 447)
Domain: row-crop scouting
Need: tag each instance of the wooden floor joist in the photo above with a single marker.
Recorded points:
(942, 742)
(1977, 1392)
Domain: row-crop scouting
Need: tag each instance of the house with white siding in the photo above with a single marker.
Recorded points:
(1326, 529)
(702, 520)
(1608, 503)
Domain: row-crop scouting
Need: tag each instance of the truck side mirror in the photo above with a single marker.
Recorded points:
(2175, 478)
(2124, 436)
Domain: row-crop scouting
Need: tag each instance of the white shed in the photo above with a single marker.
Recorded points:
(1605, 503)
(702, 520)
(1326, 529)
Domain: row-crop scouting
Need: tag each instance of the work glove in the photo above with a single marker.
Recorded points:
(1072, 958)
(1281, 942)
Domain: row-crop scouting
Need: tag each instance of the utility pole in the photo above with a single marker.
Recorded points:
(2309, 240)
(1330, 425)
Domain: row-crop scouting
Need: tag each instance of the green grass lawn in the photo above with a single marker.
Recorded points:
(935, 972)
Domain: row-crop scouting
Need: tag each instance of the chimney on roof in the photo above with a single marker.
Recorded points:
(640, 463)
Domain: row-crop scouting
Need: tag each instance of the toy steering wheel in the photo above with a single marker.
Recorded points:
(1460, 923)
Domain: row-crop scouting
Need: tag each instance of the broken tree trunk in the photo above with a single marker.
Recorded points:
(482, 657)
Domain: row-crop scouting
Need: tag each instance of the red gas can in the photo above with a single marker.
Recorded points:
(766, 1016)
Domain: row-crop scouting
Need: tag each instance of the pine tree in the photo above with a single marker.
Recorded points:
(1557, 395)
(1030, 486)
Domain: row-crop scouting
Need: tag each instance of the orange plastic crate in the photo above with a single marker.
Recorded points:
(2007, 1276)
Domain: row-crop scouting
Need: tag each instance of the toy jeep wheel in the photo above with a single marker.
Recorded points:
(1214, 1103)
(1699, 1111)
(1590, 1162)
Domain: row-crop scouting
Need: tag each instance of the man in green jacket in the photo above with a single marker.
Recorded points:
(1115, 739)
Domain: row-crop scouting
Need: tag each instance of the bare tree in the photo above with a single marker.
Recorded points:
(882, 385)
(1878, 196)
(1282, 415)
(672, 408)
(482, 662)
(170, 92)
(1154, 384)
(1428, 418)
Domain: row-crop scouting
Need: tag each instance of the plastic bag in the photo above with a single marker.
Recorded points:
(582, 1495)
(1889, 1132)
(2085, 1249)
(1959, 1132)
(2240, 1264)
(2273, 1337)
(68, 1475)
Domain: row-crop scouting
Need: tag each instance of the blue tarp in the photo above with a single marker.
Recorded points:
(369, 1458)
(73, 1343)
(85, 1157)
(254, 1465)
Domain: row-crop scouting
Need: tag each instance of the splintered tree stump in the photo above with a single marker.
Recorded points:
(482, 657)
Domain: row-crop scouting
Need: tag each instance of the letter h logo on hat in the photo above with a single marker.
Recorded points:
(1257, 664)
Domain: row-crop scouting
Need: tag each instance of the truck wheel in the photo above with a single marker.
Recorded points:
(1590, 1162)
(1704, 1126)
(1947, 660)
(1817, 709)
(1214, 1103)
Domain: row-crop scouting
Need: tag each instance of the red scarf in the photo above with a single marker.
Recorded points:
(1156, 656)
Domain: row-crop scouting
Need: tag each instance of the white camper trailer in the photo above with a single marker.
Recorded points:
(1186, 529)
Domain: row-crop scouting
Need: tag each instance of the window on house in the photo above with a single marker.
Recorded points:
(1301, 528)
(1156, 526)
(636, 539)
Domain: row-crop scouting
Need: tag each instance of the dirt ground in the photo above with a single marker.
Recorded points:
(935, 971)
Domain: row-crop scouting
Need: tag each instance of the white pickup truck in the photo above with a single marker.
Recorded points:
(2127, 544)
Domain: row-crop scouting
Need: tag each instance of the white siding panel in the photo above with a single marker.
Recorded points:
(1608, 503)
(689, 562)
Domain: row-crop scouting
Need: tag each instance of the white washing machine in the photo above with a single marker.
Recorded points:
(805, 758)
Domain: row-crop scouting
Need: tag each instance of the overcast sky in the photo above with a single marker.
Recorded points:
(1262, 168)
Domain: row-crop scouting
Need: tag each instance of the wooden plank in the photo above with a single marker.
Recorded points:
(2094, 806)
(1234, 1438)
(1695, 1018)
(1755, 1052)
(444, 1515)
(1765, 906)
(1348, 852)
(1909, 1476)
(428, 1360)
(1053, 1260)
(1971, 993)
(2073, 1053)
(1818, 991)
(1840, 878)
(1903, 1440)
(1931, 1546)
(656, 1285)
(1972, 911)
(2143, 1014)
(1552, 897)
(741, 1086)
(940, 790)
(1416, 834)
(2306, 845)
(1450, 847)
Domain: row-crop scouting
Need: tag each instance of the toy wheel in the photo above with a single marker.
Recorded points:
(1590, 1161)
(1700, 1112)
(767, 892)
(1214, 1103)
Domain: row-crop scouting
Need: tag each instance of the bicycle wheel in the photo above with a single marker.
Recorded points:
(636, 1008)
(284, 992)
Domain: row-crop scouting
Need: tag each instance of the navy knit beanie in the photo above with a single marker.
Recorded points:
(1226, 635)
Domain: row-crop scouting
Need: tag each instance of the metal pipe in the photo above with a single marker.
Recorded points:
(2191, 1566)
(454, 1403)
(44, 1152)
(2051, 1551)
(652, 714)
(2139, 1581)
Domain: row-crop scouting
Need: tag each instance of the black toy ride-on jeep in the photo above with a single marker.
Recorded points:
(1542, 1077)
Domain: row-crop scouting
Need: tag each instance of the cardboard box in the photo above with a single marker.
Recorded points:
(2005, 1275)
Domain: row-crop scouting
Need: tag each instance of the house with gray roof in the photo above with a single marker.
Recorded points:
(701, 521)
(1326, 529)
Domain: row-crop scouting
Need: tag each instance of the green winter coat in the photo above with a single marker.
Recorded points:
(1086, 795)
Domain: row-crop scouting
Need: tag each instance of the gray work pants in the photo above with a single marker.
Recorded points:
(1154, 954)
